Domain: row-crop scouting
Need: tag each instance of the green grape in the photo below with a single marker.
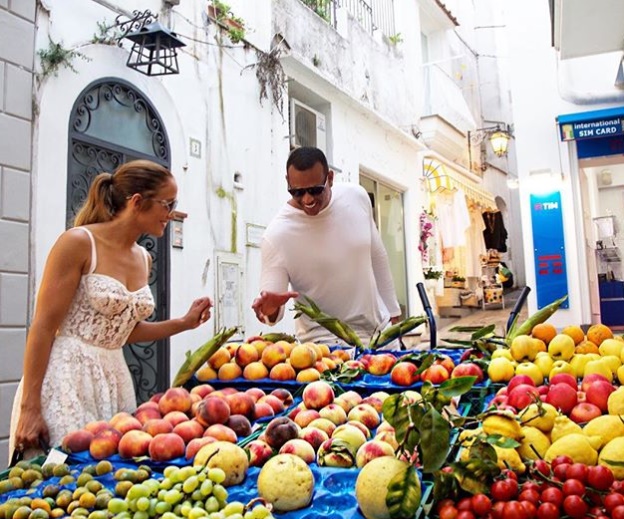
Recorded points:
(142, 504)
(137, 491)
(249, 515)
(185, 509)
(173, 496)
(206, 488)
(161, 494)
(217, 475)
(166, 484)
(132, 505)
(170, 470)
(197, 495)
(235, 516)
(124, 515)
(117, 505)
(217, 515)
(187, 472)
(190, 484)
(177, 510)
(235, 507)
(169, 515)
(152, 507)
(141, 514)
(261, 512)
(196, 513)
(201, 475)
(212, 504)
(162, 507)
(220, 492)
(153, 485)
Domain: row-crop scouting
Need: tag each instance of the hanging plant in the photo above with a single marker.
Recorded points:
(271, 76)
(55, 57)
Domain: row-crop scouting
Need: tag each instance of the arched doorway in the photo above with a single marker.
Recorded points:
(112, 122)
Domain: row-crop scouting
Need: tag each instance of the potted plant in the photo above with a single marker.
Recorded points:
(458, 281)
(432, 275)
(223, 15)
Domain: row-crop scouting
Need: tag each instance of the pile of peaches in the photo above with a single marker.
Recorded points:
(258, 359)
(177, 423)
(336, 431)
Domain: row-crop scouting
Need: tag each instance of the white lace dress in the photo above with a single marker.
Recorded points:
(87, 377)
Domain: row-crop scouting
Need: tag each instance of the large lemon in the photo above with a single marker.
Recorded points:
(615, 403)
(534, 444)
(581, 448)
(372, 484)
(543, 420)
(286, 482)
(613, 451)
(606, 426)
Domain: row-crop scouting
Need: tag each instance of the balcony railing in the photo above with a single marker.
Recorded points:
(371, 15)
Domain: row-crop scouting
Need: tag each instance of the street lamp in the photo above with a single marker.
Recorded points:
(498, 136)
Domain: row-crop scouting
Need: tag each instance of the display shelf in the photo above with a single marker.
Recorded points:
(492, 288)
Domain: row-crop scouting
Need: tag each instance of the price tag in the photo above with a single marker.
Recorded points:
(56, 456)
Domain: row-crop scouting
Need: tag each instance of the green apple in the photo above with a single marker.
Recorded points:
(578, 363)
(613, 362)
(500, 370)
(523, 347)
(502, 353)
(560, 366)
(561, 347)
(611, 347)
(600, 367)
(533, 371)
(544, 362)
(620, 374)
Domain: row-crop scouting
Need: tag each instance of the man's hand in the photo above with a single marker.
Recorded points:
(394, 320)
(268, 304)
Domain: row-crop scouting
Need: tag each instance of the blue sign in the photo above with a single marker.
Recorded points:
(548, 248)
(592, 125)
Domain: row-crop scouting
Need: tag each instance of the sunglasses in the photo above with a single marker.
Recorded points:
(170, 205)
(313, 190)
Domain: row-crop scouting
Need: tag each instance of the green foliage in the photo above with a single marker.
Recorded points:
(57, 56)
(395, 38)
(106, 35)
(403, 497)
(235, 25)
(320, 7)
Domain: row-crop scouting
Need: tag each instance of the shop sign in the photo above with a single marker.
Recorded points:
(548, 248)
(592, 129)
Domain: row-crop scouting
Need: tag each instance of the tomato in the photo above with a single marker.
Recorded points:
(563, 458)
(529, 508)
(530, 485)
(573, 487)
(596, 511)
(465, 504)
(577, 471)
(612, 501)
(514, 510)
(543, 467)
(552, 495)
(508, 473)
(618, 512)
(548, 511)
(498, 509)
(504, 490)
(561, 471)
(529, 495)
(465, 514)
(574, 506)
(618, 486)
(481, 504)
(444, 502)
(448, 512)
(599, 477)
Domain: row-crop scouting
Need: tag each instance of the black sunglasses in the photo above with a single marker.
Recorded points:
(313, 190)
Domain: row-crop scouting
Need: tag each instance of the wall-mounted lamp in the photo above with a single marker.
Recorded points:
(498, 136)
(154, 46)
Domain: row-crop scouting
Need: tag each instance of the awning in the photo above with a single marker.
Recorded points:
(440, 178)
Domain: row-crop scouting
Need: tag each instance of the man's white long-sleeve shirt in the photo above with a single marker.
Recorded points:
(336, 258)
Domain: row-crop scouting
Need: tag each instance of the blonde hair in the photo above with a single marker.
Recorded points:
(109, 192)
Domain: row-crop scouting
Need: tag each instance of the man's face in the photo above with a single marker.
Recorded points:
(310, 189)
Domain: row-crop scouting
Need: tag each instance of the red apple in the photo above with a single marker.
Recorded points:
(598, 392)
(592, 377)
(522, 395)
(562, 396)
(468, 369)
(584, 412)
(516, 380)
(565, 378)
(543, 389)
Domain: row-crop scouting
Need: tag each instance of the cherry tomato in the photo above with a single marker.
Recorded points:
(574, 506)
(465, 514)
(498, 509)
(465, 504)
(600, 477)
(577, 471)
(552, 495)
(448, 512)
(596, 511)
(514, 510)
(529, 495)
(618, 486)
(543, 467)
(530, 485)
(612, 501)
(529, 508)
(563, 458)
(508, 473)
(573, 487)
(561, 471)
(504, 490)
(618, 512)
(444, 502)
(548, 511)
(481, 504)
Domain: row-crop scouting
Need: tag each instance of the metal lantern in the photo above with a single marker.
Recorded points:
(499, 141)
(154, 52)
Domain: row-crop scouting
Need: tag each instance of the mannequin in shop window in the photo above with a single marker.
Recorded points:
(494, 234)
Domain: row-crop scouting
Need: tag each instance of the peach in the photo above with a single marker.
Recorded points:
(157, 426)
(126, 423)
(143, 414)
(213, 410)
(355, 364)
(374, 402)
(353, 397)
(118, 417)
(332, 453)
(304, 417)
(258, 452)
(241, 403)
(324, 425)
(308, 375)
(189, 430)
(231, 347)
(282, 372)
(230, 371)
(263, 410)
(436, 374)
(350, 434)
(372, 449)
(284, 395)
(273, 354)
(195, 444)
(381, 395)
(366, 414)
(222, 433)
(404, 374)
(280, 430)
(345, 404)
(156, 397)
(134, 443)
(342, 354)
(302, 356)
(388, 437)
(313, 436)
(299, 448)
(175, 399)
(166, 447)
(175, 417)
(206, 373)
(96, 426)
(218, 358)
(334, 413)
(240, 425)
(384, 426)
(296, 410)
(276, 403)
(317, 395)
(320, 366)
(246, 354)
(260, 346)
(330, 364)
(381, 364)
(365, 430)
(77, 441)
(256, 393)
(255, 371)
(202, 390)
(104, 444)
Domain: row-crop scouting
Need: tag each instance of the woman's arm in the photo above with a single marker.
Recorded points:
(198, 313)
(64, 267)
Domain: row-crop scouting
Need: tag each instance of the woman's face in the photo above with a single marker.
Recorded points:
(157, 216)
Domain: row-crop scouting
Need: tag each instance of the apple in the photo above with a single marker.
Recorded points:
(522, 395)
(516, 380)
(562, 396)
(592, 377)
(565, 378)
(584, 412)
(544, 362)
(560, 366)
(468, 369)
(598, 392)
(530, 369)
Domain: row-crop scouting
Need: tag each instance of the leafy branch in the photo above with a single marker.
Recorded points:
(55, 57)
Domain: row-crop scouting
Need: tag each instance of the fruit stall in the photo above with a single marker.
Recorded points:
(526, 422)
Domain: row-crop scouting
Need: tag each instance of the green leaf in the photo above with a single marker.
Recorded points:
(390, 407)
(457, 386)
(404, 495)
(428, 360)
(445, 485)
(435, 440)
(464, 329)
(483, 332)
(501, 441)
(614, 463)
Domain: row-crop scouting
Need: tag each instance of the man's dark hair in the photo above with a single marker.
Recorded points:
(306, 157)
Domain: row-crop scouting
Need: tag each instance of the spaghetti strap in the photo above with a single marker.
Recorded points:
(93, 252)
(147, 261)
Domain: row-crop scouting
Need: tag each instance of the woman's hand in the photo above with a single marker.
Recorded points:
(198, 313)
(32, 431)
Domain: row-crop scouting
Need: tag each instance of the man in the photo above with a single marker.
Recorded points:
(324, 242)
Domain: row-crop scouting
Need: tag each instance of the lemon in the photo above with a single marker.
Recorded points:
(534, 440)
(500, 369)
(613, 451)
(372, 483)
(615, 403)
(509, 458)
(606, 426)
(581, 448)
(545, 422)
(286, 482)
(562, 427)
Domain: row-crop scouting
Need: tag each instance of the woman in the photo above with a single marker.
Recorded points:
(94, 298)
